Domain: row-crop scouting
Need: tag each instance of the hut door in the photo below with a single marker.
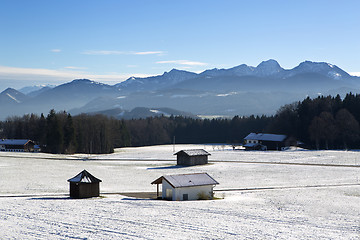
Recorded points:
(185, 197)
(168, 194)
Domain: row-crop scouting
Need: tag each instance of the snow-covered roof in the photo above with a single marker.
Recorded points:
(251, 144)
(265, 137)
(187, 180)
(84, 177)
(14, 141)
(193, 152)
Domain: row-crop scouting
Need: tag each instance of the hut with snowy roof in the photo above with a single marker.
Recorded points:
(192, 157)
(264, 141)
(182, 187)
(84, 185)
(17, 145)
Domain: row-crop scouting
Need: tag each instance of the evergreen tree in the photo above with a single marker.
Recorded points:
(54, 137)
(69, 135)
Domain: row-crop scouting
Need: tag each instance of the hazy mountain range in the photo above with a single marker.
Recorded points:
(241, 90)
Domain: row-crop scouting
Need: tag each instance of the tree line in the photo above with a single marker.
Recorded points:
(320, 123)
(323, 122)
(59, 132)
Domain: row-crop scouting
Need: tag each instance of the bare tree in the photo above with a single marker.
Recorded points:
(328, 128)
(315, 131)
(347, 126)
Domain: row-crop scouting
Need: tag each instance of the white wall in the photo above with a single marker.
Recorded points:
(165, 186)
(193, 192)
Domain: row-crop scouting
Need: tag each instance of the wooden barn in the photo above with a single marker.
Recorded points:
(182, 187)
(264, 141)
(84, 185)
(17, 145)
(192, 157)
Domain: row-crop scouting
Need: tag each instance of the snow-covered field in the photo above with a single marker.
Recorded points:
(293, 194)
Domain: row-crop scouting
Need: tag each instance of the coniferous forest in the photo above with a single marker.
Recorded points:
(320, 123)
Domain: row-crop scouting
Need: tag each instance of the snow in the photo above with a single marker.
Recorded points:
(294, 194)
(334, 75)
(13, 98)
(226, 94)
(159, 112)
(265, 137)
(193, 152)
(179, 96)
(84, 177)
(189, 180)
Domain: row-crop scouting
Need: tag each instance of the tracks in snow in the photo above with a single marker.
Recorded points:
(152, 195)
(172, 160)
(285, 187)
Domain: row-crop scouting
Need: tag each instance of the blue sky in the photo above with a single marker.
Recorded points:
(108, 41)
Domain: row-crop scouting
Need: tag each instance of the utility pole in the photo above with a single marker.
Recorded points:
(174, 144)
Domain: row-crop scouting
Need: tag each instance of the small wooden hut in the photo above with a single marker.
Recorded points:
(182, 187)
(84, 185)
(192, 157)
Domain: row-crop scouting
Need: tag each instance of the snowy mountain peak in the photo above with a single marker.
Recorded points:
(176, 72)
(178, 75)
(322, 68)
(242, 70)
(35, 88)
(87, 82)
(268, 68)
(12, 95)
(9, 90)
(155, 82)
(81, 81)
(314, 66)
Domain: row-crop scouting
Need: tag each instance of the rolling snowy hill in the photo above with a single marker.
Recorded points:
(293, 194)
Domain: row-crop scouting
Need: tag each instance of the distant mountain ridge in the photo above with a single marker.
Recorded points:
(269, 69)
(33, 90)
(142, 112)
(155, 82)
(273, 68)
(241, 90)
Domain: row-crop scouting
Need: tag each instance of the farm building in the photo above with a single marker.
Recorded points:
(17, 145)
(264, 141)
(84, 185)
(192, 157)
(184, 187)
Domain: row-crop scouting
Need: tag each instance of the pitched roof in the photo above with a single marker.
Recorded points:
(193, 152)
(84, 177)
(14, 141)
(265, 137)
(187, 180)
